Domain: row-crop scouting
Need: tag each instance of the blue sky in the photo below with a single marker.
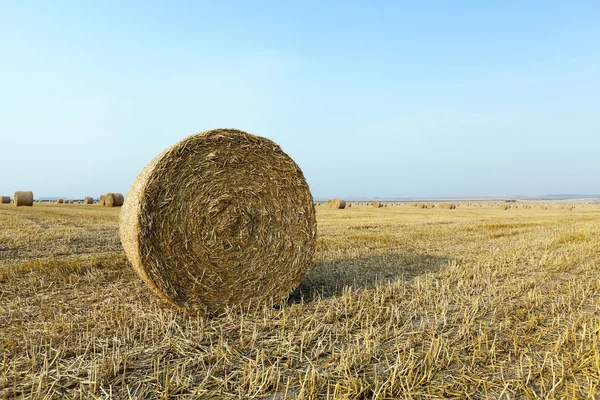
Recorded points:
(390, 99)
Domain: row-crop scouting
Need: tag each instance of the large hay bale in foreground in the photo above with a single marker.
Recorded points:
(337, 204)
(23, 199)
(220, 219)
(5, 199)
(114, 200)
(88, 200)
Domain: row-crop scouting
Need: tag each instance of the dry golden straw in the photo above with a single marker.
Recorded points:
(88, 200)
(337, 204)
(23, 199)
(221, 218)
(5, 199)
(114, 200)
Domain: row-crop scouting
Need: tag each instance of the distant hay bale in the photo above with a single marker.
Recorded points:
(5, 200)
(448, 206)
(222, 218)
(60, 201)
(504, 207)
(421, 205)
(23, 199)
(349, 205)
(377, 204)
(114, 200)
(337, 204)
(102, 201)
(430, 205)
(88, 200)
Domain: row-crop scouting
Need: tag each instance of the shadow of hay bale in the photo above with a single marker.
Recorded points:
(328, 278)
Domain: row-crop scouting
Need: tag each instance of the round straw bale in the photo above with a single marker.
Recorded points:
(504, 207)
(60, 201)
(430, 205)
(337, 204)
(102, 201)
(421, 205)
(23, 199)
(221, 218)
(377, 204)
(88, 200)
(114, 200)
(5, 199)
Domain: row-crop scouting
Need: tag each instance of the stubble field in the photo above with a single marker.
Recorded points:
(400, 302)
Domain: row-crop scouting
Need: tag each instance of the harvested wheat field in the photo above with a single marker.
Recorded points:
(400, 302)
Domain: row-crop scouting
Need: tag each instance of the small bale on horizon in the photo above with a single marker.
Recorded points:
(337, 204)
(114, 200)
(23, 198)
(448, 206)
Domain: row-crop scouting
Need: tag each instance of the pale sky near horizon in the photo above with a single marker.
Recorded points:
(386, 99)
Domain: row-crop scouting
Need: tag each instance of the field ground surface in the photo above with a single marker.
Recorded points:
(400, 302)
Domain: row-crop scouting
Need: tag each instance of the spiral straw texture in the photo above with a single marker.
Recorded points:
(219, 219)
